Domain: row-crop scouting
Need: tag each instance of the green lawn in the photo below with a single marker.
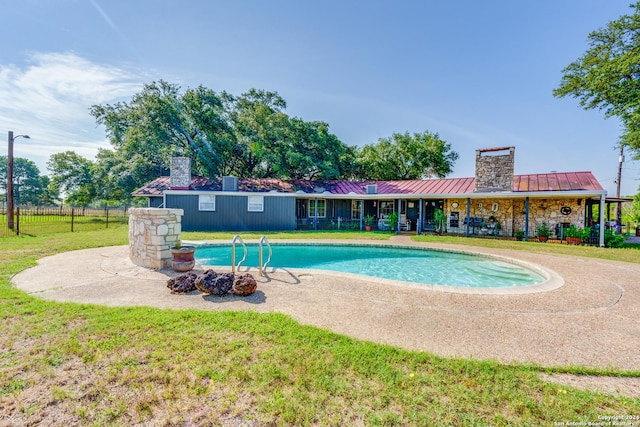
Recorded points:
(71, 364)
(630, 253)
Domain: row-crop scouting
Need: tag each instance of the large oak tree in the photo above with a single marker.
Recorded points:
(249, 135)
(607, 76)
(406, 156)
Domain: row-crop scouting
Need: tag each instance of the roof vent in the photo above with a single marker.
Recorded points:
(372, 189)
(229, 183)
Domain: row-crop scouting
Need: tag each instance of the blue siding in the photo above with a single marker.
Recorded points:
(155, 202)
(231, 214)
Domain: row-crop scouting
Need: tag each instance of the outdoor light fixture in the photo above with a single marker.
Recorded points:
(10, 206)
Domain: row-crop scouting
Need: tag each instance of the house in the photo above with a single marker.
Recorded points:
(494, 202)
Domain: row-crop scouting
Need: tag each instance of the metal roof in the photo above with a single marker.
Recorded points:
(556, 181)
(534, 183)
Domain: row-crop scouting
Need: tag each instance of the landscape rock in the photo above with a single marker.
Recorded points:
(214, 283)
(183, 283)
(244, 285)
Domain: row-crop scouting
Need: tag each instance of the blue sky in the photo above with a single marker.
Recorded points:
(480, 74)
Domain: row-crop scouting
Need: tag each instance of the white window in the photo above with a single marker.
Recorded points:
(387, 207)
(322, 208)
(255, 203)
(355, 209)
(206, 202)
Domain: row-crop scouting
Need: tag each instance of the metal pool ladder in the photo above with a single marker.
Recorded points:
(237, 238)
(263, 267)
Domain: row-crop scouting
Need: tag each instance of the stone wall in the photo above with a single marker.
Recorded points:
(153, 232)
(510, 213)
(494, 171)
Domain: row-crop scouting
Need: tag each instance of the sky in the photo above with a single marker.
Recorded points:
(479, 74)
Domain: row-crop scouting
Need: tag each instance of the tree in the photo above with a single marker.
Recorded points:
(631, 212)
(405, 156)
(248, 136)
(72, 175)
(160, 123)
(258, 122)
(28, 184)
(120, 174)
(607, 76)
(307, 150)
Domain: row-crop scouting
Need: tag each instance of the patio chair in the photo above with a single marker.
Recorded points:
(405, 224)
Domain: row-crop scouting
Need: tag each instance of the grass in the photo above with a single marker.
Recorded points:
(630, 253)
(349, 235)
(36, 225)
(72, 364)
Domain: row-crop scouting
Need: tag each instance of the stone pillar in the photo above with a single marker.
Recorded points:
(152, 234)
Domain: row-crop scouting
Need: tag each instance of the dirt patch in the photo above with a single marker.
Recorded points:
(619, 386)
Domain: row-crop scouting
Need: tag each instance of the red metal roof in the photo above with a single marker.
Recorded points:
(557, 181)
(563, 181)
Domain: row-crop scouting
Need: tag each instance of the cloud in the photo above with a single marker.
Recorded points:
(49, 99)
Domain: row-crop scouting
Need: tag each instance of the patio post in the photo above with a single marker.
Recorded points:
(315, 215)
(468, 215)
(419, 225)
(526, 219)
(399, 214)
(601, 233)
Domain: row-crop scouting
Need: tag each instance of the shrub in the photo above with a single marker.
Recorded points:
(613, 240)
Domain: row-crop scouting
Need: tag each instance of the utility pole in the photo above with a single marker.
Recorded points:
(10, 182)
(10, 207)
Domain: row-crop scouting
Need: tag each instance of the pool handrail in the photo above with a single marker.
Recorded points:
(237, 238)
(262, 266)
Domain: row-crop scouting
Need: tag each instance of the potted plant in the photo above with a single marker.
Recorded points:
(183, 257)
(543, 231)
(440, 219)
(368, 222)
(572, 235)
(519, 234)
(393, 221)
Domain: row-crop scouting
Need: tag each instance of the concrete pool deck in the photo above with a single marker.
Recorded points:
(593, 320)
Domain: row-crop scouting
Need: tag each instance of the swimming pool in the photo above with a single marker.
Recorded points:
(416, 265)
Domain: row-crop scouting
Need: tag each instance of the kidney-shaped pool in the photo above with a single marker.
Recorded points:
(408, 264)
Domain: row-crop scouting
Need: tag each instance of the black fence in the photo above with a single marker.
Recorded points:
(38, 220)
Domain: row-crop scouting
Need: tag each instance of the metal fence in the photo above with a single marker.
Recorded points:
(38, 220)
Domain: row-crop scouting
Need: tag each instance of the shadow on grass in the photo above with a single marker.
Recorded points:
(258, 297)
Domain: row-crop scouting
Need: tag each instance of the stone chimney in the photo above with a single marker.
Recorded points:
(494, 169)
(180, 173)
(229, 183)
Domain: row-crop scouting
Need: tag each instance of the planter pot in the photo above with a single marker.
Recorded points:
(573, 240)
(367, 227)
(183, 258)
(542, 238)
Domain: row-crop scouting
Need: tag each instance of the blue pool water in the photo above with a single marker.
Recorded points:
(406, 264)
